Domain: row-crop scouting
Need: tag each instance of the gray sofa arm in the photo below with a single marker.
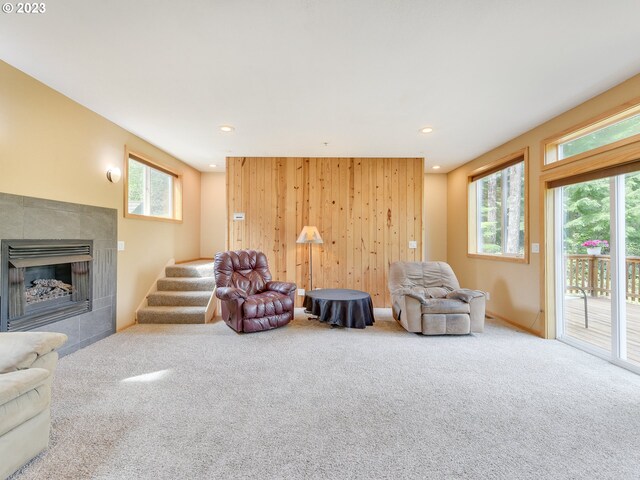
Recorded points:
(20, 350)
(409, 292)
(409, 313)
(14, 384)
(476, 313)
(465, 295)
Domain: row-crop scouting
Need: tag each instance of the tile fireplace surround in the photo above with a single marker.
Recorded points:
(39, 219)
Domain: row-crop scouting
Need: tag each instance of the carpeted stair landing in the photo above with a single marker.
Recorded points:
(183, 296)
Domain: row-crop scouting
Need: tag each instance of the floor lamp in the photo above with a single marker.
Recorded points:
(310, 235)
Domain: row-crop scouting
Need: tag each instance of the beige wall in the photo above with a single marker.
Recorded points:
(213, 232)
(54, 148)
(516, 288)
(435, 217)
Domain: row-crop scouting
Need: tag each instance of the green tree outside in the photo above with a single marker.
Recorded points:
(587, 217)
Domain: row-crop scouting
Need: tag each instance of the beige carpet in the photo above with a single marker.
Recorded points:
(308, 401)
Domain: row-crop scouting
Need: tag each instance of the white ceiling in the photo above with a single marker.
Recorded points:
(361, 75)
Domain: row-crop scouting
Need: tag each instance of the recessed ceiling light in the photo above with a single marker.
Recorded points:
(213, 165)
(226, 128)
(436, 167)
(426, 130)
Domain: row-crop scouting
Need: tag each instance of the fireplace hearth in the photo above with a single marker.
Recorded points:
(44, 281)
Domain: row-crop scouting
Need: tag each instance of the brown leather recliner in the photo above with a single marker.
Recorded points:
(251, 302)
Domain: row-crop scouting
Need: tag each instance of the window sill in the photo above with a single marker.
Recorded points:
(149, 217)
(500, 258)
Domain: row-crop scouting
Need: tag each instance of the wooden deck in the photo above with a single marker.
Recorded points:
(599, 331)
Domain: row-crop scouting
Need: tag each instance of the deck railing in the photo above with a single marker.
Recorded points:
(592, 273)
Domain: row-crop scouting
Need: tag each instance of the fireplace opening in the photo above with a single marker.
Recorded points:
(47, 283)
(44, 281)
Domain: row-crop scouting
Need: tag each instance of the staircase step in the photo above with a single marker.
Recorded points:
(182, 296)
(177, 299)
(192, 269)
(171, 315)
(186, 284)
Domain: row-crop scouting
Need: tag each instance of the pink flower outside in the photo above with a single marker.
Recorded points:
(595, 243)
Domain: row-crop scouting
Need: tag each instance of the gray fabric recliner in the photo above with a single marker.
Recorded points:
(27, 363)
(427, 298)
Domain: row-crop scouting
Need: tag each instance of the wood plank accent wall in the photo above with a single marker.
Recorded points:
(366, 209)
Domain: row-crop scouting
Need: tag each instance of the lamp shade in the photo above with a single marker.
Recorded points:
(309, 235)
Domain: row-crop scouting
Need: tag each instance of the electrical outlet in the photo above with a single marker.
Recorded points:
(535, 248)
(301, 292)
(413, 244)
(488, 295)
(120, 246)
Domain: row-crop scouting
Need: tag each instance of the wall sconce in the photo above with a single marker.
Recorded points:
(114, 175)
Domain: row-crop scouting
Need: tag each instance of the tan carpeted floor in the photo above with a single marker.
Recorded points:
(309, 401)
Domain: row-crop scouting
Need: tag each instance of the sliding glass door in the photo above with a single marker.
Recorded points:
(584, 294)
(632, 266)
(597, 225)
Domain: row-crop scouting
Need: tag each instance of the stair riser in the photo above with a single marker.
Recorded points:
(169, 317)
(191, 272)
(171, 285)
(159, 300)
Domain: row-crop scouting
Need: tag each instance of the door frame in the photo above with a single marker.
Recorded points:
(554, 273)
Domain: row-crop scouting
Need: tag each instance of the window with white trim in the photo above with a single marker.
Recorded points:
(497, 210)
(152, 191)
